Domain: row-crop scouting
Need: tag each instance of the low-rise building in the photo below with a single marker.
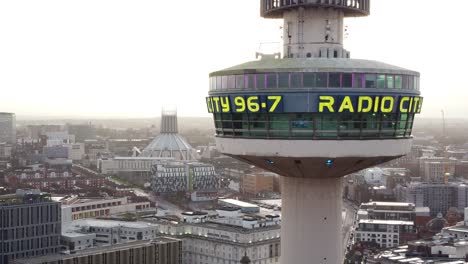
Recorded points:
(228, 237)
(52, 177)
(183, 176)
(107, 232)
(158, 251)
(386, 233)
(258, 182)
(75, 208)
(388, 211)
(244, 206)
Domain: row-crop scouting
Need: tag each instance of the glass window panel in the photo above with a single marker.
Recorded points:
(410, 82)
(211, 83)
(398, 82)
(388, 124)
(370, 125)
(219, 82)
(240, 81)
(327, 126)
(296, 80)
(381, 81)
(302, 122)
(347, 80)
(250, 81)
(283, 80)
(231, 81)
(272, 81)
(321, 79)
(370, 81)
(358, 80)
(279, 122)
(334, 80)
(390, 81)
(260, 81)
(415, 83)
(402, 121)
(224, 82)
(404, 80)
(309, 79)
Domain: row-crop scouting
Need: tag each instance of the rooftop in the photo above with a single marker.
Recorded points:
(315, 65)
(104, 224)
(385, 222)
(393, 204)
(238, 203)
(98, 250)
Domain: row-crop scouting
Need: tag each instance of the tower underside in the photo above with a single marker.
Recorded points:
(313, 158)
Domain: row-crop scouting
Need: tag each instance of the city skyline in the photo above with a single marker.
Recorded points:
(111, 63)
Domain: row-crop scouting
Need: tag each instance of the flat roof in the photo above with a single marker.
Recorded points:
(95, 250)
(385, 222)
(239, 203)
(105, 224)
(395, 204)
(314, 65)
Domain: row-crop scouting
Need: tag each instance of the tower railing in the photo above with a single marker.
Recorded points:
(275, 8)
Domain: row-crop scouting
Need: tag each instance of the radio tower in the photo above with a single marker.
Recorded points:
(313, 116)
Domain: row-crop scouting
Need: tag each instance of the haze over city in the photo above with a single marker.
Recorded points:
(128, 59)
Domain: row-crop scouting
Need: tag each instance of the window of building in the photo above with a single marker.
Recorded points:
(272, 81)
(309, 79)
(334, 80)
(296, 80)
(240, 81)
(347, 80)
(358, 80)
(250, 81)
(321, 80)
(283, 80)
(390, 82)
(260, 80)
(231, 81)
(381, 81)
(224, 82)
(371, 80)
(398, 82)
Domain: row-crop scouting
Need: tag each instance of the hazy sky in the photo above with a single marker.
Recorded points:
(128, 58)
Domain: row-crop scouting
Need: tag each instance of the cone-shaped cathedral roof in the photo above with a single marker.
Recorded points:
(169, 143)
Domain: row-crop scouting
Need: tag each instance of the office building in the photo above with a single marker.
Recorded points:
(183, 176)
(30, 227)
(227, 237)
(158, 251)
(75, 208)
(439, 197)
(8, 128)
(106, 232)
(313, 115)
(386, 233)
(256, 183)
(387, 211)
(434, 169)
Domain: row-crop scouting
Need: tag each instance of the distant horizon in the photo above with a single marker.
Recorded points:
(84, 117)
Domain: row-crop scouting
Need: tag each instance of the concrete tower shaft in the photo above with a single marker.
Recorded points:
(313, 33)
(314, 28)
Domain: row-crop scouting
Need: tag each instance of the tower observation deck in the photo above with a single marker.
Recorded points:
(313, 116)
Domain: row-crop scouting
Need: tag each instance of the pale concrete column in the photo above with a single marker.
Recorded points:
(311, 221)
